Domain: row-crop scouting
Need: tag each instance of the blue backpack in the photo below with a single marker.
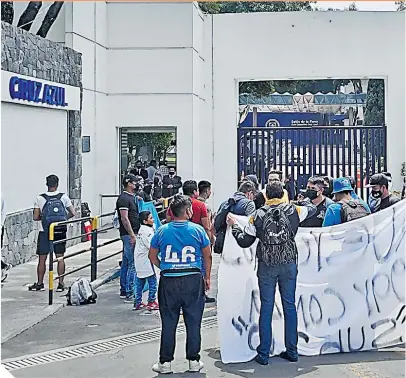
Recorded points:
(53, 211)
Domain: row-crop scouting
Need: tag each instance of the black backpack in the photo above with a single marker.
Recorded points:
(351, 210)
(220, 225)
(276, 228)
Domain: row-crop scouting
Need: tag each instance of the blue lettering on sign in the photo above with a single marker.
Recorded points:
(34, 91)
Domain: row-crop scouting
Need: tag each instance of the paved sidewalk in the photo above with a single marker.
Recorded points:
(21, 309)
(136, 361)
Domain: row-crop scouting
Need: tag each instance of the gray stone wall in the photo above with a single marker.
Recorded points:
(27, 54)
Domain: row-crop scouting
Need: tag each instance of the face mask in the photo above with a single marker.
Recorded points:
(171, 173)
(376, 194)
(311, 194)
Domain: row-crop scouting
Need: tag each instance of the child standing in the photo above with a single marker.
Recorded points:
(144, 268)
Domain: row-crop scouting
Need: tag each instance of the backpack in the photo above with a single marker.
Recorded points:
(53, 211)
(81, 293)
(276, 229)
(220, 225)
(351, 210)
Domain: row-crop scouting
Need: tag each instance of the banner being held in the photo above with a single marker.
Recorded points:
(350, 292)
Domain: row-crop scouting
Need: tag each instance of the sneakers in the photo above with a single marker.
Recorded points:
(122, 295)
(259, 360)
(210, 300)
(195, 366)
(4, 271)
(36, 287)
(61, 287)
(129, 299)
(153, 306)
(286, 356)
(164, 368)
(139, 306)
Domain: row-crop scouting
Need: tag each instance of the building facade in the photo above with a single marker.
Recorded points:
(167, 66)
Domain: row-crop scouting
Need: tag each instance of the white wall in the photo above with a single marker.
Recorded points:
(86, 32)
(304, 45)
(34, 144)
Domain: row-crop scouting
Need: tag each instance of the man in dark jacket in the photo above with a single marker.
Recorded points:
(171, 184)
(139, 170)
(241, 203)
(275, 226)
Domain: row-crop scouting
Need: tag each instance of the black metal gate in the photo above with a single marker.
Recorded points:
(301, 152)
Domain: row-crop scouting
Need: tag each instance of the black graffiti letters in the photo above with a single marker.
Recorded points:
(379, 341)
(333, 321)
(244, 327)
(398, 270)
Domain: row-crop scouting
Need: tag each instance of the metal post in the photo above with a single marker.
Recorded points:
(51, 263)
(93, 261)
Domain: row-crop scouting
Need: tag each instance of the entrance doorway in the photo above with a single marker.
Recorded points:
(144, 145)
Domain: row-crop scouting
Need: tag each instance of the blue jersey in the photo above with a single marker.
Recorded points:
(180, 246)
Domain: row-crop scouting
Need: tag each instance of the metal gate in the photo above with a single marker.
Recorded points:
(302, 152)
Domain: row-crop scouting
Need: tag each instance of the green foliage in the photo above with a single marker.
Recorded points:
(159, 142)
(255, 6)
(400, 6)
(375, 105)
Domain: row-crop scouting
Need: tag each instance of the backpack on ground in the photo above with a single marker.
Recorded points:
(81, 293)
(53, 211)
(276, 229)
(352, 210)
(220, 225)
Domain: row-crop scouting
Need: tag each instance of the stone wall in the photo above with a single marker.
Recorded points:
(27, 54)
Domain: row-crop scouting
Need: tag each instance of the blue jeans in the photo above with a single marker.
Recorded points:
(127, 271)
(139, 286)
(285, 275)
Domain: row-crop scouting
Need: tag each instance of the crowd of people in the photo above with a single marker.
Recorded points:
(181, 248)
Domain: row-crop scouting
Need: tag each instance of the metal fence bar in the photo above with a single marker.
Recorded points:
(93, 257)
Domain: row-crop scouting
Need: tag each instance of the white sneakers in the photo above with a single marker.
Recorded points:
(166, 368)
(195, 366)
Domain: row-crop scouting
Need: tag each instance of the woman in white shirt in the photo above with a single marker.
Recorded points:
(144, 268)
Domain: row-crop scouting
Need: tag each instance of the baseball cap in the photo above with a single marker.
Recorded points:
(378, 179)
(341, 184)
(129, 178)
(252, 178)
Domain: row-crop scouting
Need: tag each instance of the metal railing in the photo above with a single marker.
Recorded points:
(93, 249)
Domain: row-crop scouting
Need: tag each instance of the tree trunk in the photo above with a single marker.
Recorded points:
(50, 18)
(28, 16)
(7, 11)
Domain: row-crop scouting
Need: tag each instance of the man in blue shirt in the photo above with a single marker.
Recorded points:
(346, 208)
(182, 246)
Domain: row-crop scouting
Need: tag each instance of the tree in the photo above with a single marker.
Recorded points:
(158, 144)
(400, 6)
(27, 18)
(50, 18)
(7, 11)
(255, 6)
(375, 104)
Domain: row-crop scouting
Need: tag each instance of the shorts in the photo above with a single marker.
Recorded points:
(43, 243)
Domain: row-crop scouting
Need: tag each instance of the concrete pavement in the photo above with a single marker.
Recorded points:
(136, 361)
(22, 309)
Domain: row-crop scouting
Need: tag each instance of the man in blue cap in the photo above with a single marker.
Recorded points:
(346, 208)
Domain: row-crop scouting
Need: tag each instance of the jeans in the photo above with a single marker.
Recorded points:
(139, 286)
(285, 275)
(127, 271)
(186, 293)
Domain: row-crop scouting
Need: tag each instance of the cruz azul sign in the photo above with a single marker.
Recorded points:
(30, 90)
(27, 90)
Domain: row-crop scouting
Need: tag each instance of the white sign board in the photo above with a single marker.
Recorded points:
(26, 90)
(350, 289)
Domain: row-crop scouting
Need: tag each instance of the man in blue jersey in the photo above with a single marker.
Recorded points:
(183, 246)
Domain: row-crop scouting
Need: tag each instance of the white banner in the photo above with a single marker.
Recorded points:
(350, 289)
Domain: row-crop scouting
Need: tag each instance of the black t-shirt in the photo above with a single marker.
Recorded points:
(388, 201)
(127, 201)
(317, 219)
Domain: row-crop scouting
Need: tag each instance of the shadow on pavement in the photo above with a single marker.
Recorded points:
(284, 369)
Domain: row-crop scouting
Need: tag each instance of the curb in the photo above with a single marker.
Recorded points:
(110, 275)
(47, 311)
